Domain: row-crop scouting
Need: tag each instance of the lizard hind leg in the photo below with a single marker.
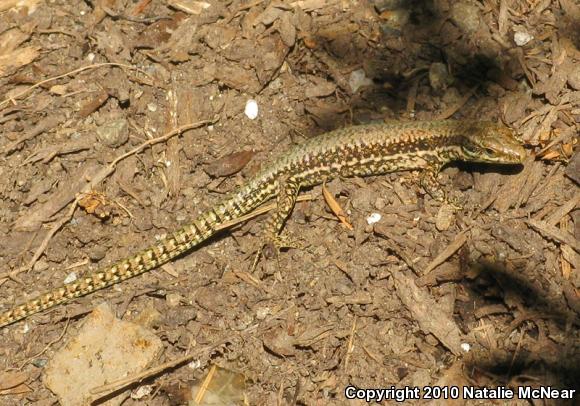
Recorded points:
(287, 194)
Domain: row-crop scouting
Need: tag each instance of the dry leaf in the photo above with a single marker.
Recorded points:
(9, 380)
(229, 164)
(220, 387)
(96, 204)
(550, 155)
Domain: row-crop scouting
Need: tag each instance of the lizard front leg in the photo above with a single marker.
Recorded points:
(430, 184)
(432, 187)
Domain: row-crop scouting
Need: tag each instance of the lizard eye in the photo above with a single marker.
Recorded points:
(489, 151)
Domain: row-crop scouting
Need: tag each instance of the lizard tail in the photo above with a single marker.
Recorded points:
(158, 254)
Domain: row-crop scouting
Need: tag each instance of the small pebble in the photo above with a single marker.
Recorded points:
(465, 16)
(394, 20)
(40, 362)
(358, 79)
(114, 133)
(97, 253)
(380, 203)
(262, 313)
(141, 392)
(439, 76)
(251, 110)
(373, 218)
(195, 364)
(521, 38)
(40, 266)
(173, 299)
(70, 278)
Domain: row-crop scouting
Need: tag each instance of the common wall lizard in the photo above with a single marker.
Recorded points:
(362, 150)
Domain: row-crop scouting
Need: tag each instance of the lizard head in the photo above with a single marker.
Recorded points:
(493, 143)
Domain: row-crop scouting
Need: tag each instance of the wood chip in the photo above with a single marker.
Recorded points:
(566, 208)
(447, 252)
(428, 313)
(573, 168)
(509, 193)
(554, 233)
(311, 5)
(190, 7)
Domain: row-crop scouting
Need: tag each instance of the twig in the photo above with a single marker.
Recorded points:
(205, 384)
(105, 390)
(350, 344)
(6, 101)
(158, 140)
(257, 212)
(447, 252)
(563, 210)
(40, 250)
(30, 359)
(44, 125)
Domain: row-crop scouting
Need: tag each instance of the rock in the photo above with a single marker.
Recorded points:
(105, 349)
(466, 17)
(114, 133)
(439, 76)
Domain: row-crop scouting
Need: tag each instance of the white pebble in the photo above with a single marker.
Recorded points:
(358, 79)
(465, 347)
(373, 218)
(70, 278)
(521, 38)
(262, 313)
(141, 392)
(195, 364)
(251, 109)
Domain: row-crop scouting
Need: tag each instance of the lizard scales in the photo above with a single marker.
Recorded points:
(370, 149)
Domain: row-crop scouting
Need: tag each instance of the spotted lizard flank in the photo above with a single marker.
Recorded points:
(363, 150)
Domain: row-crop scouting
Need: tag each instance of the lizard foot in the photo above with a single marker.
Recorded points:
(272, 246)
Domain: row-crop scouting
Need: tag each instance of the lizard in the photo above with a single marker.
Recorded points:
(360, 150)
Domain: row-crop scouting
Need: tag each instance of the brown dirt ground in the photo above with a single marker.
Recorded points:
(352, 306)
